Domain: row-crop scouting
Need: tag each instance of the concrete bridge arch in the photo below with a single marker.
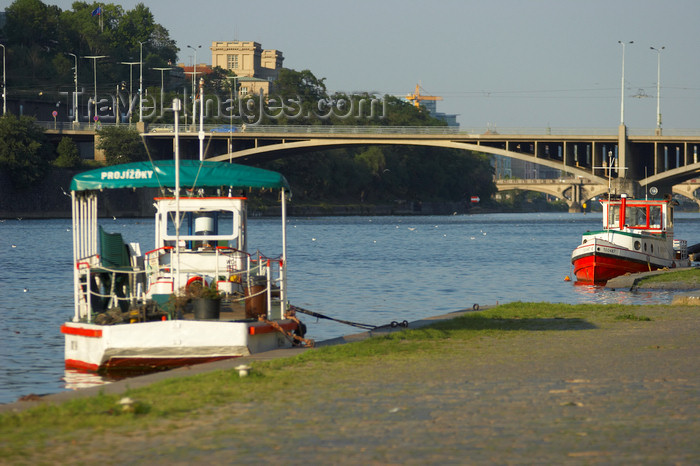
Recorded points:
(305, 145)
(595, 185)
(574, 192)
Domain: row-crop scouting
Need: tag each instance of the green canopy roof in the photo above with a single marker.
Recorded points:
(161, 173)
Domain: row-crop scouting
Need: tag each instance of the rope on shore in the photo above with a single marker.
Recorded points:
(347, 322)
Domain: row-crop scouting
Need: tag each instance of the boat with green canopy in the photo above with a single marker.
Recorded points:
(198, 295)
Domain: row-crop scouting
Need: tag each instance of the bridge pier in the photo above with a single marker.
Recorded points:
(625, 186)
(575, 207)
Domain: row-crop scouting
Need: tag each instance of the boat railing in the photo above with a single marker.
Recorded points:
(262, 275)
(87, 289)
(257, 274)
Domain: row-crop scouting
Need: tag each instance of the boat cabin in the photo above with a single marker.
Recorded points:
(200, 238)
(654, 216)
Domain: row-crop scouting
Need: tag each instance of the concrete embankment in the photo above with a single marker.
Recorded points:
(636, 281)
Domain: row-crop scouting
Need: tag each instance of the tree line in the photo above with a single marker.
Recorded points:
(44, 42)
(39, 38)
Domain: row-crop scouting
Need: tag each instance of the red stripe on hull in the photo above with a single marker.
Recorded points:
(80, 365)
(600, 269)
(80, 331)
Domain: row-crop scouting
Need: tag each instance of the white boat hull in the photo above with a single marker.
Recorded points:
(166, 344)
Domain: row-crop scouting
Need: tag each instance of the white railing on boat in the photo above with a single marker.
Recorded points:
(242, 269)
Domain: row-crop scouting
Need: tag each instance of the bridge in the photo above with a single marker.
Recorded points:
(625, 159)
(576, 192)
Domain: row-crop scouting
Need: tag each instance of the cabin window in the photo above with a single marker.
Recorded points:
(613, 216)
(636, 217)
(218, 226)
(655, 216)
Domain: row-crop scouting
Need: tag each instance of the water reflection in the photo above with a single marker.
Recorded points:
(75, 378)
(596, 294)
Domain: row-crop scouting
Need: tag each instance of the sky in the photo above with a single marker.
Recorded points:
(496, 63)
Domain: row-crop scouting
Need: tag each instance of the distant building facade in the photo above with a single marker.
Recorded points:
(255, 67)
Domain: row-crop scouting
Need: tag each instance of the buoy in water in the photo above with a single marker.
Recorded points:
(567, 279)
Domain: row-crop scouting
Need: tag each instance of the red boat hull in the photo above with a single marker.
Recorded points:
(598, 269)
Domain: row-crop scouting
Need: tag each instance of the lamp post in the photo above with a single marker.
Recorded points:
(162, 70)
(94, 59)
(4, 83)
(131, 81)
(75, 95)
(194, 75)
(622, 91)
(658, 88)
(231, 87)
(141, 82)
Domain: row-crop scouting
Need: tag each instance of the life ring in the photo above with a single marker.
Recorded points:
(196, 279)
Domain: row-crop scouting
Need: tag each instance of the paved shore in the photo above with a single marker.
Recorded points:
(620, 393)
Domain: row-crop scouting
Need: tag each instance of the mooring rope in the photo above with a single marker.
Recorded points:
(347, 322)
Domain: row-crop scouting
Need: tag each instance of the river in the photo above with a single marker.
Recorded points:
(372, 270)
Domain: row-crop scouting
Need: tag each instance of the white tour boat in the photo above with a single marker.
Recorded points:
(133, 309)
(637, 236)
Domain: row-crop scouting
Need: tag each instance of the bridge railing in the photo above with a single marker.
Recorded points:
(373, 130)
(517, 181)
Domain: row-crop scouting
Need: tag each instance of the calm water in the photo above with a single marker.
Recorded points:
(365, 269)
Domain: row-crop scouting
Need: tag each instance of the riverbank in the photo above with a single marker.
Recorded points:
(522, 382)
(684, 279)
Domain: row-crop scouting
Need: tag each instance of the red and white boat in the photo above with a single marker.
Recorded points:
(637, 236)
(129, 307)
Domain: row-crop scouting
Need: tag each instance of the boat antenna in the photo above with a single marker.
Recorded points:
(177, 105)
(201, 120)
(609, 168)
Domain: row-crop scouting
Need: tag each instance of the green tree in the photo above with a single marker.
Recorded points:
(39, 37)
(24, 151)
(299, 92)
(121, 145)
(68, 155)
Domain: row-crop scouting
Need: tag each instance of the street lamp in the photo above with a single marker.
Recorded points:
(162, 70)
(4, 83)
(94, 59)
(141, 82)
(622, 97)
(194, 70)
(231, 87)
(75, 95)
(131, 82)
(658, 88)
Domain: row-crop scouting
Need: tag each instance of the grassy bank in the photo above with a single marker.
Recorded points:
(166, 405)
(687, 279)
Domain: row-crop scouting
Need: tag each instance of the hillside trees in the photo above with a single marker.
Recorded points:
(121, 144)
(24, 151)
(40, 37)
(68, 155)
